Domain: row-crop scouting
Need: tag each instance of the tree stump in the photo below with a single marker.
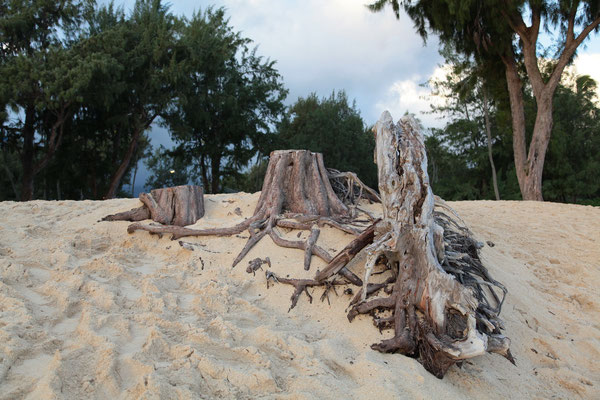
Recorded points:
(440, 306)
(179, 206)
(296, 194)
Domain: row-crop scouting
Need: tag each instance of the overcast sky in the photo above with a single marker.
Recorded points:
(326, 45)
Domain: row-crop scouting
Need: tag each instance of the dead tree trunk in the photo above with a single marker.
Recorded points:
(438, 318)
(179, 205)
(296, 187)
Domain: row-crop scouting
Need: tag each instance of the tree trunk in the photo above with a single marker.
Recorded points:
(28, 154)
(179, 206)
(488, 132)
(134, 175)
(532, 188)
(115, 181)
(9, 174)
(436, 318)
(215, 169)
(203, 172)
(517, 113)
(30, 170)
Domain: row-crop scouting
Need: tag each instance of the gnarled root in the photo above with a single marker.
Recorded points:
(443, 304)
(297, 187)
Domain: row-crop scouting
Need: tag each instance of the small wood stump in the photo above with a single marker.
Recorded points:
(178, 205)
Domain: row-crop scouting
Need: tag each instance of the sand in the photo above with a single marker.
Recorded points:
(88, 311)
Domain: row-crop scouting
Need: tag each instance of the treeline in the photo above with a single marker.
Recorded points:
(477, 142)
(81, 85)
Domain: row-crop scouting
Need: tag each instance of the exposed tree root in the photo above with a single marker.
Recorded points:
(136, 214)
(436, 295)
(443, 300)
(350, 188)
(439, 299)
(296, 194)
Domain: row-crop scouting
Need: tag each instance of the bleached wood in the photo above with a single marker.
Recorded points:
(424, 296)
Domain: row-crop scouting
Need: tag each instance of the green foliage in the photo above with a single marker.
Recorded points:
(40, 78)
(169, 168)
(106, 81)
(228, 99)
(494, 32)
(458, 165)
(249, 182)
(331, 126)
(572, 172)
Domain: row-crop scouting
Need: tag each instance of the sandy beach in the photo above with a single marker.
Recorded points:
(89, 311)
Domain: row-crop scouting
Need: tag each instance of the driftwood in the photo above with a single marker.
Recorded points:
(440, 300)
(438, 297)
(434, 292)
(296, 194)
(179, 205)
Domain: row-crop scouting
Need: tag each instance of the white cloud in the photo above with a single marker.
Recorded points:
(321, 46)
(411, 96)
(587, 64)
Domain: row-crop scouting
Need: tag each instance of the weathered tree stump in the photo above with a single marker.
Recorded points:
(439, 299)
(296, 194)
(179, 205)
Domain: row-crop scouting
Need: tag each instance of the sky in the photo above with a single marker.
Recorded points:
(325, 45)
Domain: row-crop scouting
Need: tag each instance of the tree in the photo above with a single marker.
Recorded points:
(169, 168)
(144, 48)
(41, 77)
(573, 166)
(334, 127)
(228, 99)
(467, 102)
(487, 30)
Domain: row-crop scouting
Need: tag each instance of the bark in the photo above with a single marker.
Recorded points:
(517, 112)
(532, 187)
(488, 132)
(215, 174)
(31, 169)
(438, 318)
(179, 206)
(9, 175)
(134, 176)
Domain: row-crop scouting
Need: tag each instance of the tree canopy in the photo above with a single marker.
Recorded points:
(460, 170)
(508, 31)
(228, 99)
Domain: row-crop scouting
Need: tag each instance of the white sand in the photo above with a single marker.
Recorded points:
(88, 311)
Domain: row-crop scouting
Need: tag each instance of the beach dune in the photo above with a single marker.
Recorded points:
(89, 311)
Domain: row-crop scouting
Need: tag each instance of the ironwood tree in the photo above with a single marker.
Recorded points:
(41, 75)
(508, 31)
(228, 99)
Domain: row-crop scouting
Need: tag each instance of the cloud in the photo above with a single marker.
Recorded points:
(587, 64)
(321, 46)
(412, 96)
